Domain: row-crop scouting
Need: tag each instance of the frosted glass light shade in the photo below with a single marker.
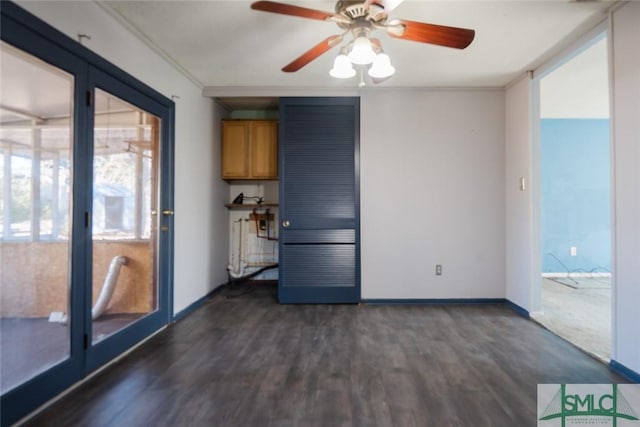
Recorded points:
(342, 68)
(381, 67)
(362, 53)
(389, 5)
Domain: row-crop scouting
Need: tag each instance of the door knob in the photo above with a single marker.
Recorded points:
(167, 212)
(286, 223)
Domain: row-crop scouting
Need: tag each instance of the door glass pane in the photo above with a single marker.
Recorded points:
(36, 110)
(125, 181)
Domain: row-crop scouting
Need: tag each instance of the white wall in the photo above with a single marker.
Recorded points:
(201, 234)
(519, 204)
(200, 247)
(626, 158)
(432, 192)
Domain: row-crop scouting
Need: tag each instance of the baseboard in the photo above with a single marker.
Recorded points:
(196, 304)
(406, 301)
(520, 310)
(630, 374)
(433, 301)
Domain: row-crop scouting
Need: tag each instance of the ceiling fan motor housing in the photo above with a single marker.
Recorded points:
(360, 14)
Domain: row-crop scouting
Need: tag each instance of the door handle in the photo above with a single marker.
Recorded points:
(167, 212)
(286, 223)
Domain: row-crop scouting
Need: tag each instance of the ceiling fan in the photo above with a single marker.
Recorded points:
(361, 18)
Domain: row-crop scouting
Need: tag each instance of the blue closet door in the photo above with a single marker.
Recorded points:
(319, 200)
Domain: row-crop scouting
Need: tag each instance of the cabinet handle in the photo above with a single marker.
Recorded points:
(286, 223)
(167, 212)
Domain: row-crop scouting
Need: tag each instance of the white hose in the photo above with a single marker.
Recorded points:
(109, 286)
(236, 273)
(242, 264)
(106, 292)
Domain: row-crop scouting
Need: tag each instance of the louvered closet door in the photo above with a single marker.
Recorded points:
(319, 198)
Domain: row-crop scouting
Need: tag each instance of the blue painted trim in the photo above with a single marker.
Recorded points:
(520, 310)
(167, 159)
(630, 374)
(435, 301)
(196, 304)
(444, 301)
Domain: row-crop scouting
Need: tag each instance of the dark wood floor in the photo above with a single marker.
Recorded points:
(247, 361)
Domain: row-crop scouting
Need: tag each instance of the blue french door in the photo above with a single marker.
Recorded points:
(131, 217)
(87, 212)
(319, 200)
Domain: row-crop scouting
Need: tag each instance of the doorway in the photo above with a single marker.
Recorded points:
(316, 201)
(86, 212)
(575, 200)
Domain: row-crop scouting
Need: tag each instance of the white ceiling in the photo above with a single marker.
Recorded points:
(226, 44)
(30, 89)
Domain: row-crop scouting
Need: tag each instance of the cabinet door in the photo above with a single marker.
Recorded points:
(235, 149)
(264, 149)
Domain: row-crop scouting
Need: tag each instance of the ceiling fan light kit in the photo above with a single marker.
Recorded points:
(342, 68)
(361, 18)
(361, 51)
(381, 67)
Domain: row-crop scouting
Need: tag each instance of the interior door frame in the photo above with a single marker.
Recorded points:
(587, 40)
(30, 34)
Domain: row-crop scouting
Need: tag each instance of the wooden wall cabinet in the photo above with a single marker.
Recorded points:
(249, 149)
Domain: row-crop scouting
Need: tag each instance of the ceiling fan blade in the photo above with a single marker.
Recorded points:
(288, 9)
(377, 44)
(441, 35)
(312, 53)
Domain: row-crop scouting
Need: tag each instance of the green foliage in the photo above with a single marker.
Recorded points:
(20, 199)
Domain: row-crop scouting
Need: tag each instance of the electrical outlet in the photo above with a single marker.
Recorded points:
(574, 251)
(438, 270)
